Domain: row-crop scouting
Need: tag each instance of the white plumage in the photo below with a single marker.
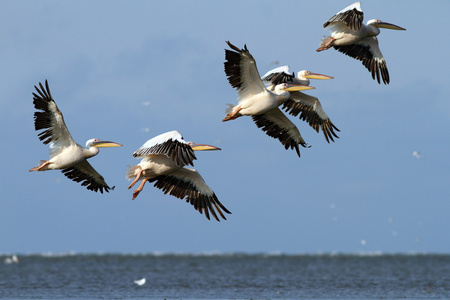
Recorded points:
(65, 154)
(351, 37)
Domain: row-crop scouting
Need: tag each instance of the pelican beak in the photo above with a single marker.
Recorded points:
(297, 88)
(387, 26)
(203, 147)
(105, 144)
(318, 76)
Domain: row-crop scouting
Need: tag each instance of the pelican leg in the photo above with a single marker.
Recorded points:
(139, 189)
(136, 179)
(41, 166)
(233, 114)
(326, 43)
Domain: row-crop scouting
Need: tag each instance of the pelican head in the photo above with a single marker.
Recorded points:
(311, 75)
(380, 24)
(202, 147)
(101, 144)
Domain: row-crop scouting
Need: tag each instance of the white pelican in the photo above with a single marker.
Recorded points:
(65, 154)
(351, 37)
(302, 77)
(164, 158)
(257, 101)
(307, 106)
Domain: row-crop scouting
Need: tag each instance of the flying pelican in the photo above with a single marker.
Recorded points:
(302, 77)
(257, 101)
(65, 154)
(164, 158)
(351, 37)
(307, 106)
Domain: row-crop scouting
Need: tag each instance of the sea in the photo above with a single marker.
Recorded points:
(226, 276)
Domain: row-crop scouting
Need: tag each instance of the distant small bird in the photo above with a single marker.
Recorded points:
(257, 101)
(417, 154)
(308, 107)
(164, 161)
(140, 281)
(351, 37)
(65, 154)
(12, 260)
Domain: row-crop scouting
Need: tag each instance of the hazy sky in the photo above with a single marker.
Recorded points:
(127, 71)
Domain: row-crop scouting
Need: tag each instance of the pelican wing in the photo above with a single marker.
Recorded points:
(50, 119)
(369, 53)
(83, 172)
(311, 111)
(188, 184)
(275, 124)
(352, 16)
(170, 144)
(281, 74)
(241, 71)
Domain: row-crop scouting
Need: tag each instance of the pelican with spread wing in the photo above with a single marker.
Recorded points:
(164, 161)
(257, 101)
(308, 107)
(65, 154)
(351, 37)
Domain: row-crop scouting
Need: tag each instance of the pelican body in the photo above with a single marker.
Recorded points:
(257, 101)
(65, 154)
(164, 161)
(307, 107)
(351, 37)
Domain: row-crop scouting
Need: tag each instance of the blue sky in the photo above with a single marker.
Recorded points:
(128, 71)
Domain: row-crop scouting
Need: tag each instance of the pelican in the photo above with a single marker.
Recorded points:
(309, 107)
(65, 154)
(351, 37)
(164, 161)
(257, 101)
(302, 77)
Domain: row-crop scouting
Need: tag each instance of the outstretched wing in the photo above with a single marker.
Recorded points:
(311, 111)
(170, 144)
(352, 16)
(50, 119)
(188, 184)
(241, 71)
(281, 74)
(83, 172)
(369, 53)
(275, 124)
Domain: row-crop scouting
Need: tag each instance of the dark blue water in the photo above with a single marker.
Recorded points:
(233, 276)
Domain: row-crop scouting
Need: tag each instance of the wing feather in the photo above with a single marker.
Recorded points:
(282, 72)
(50, 119)
(188, 184)
(275, 124)
(170, 144)
(83, 172)
(242, 72)
(352, 16)
(311, 111)
(369, 53)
